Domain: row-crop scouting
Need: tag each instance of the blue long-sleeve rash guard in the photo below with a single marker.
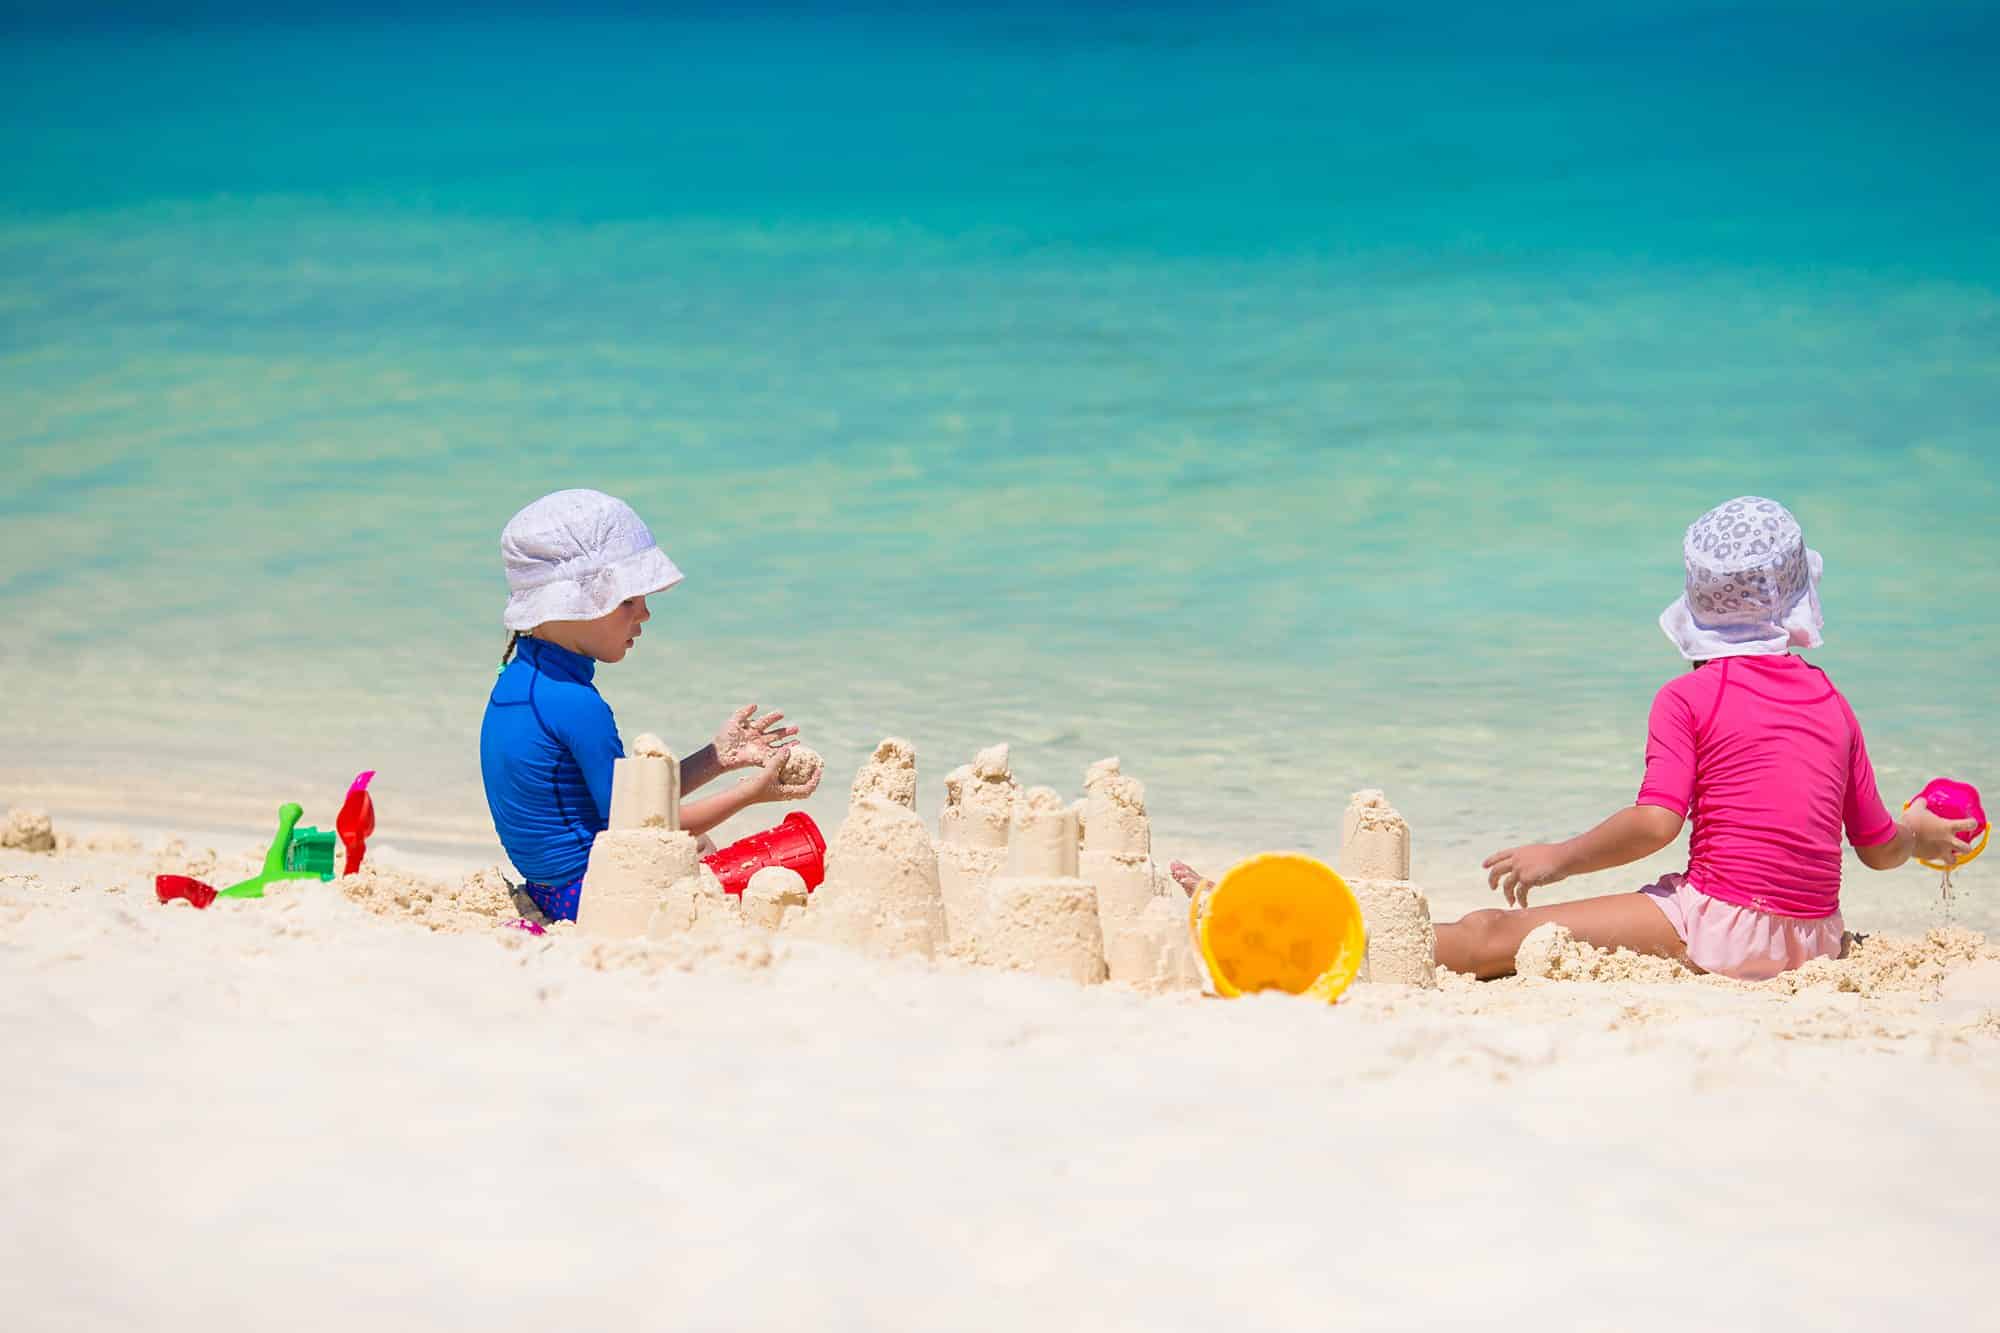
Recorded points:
(546, 748)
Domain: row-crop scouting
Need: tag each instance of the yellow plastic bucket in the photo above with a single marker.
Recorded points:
(1279, 921)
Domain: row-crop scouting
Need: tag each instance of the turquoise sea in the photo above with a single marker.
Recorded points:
(1286, 399)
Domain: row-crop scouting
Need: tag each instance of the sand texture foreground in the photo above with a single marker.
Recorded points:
(371, 1104)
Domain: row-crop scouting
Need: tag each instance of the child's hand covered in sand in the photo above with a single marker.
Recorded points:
(768, 784)
(799, 774)
(749, 741)
(1519, 869)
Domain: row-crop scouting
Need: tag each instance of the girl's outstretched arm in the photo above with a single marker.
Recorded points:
(1636, 831)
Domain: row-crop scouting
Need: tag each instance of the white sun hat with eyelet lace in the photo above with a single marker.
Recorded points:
(575, 555)
(1752, 584)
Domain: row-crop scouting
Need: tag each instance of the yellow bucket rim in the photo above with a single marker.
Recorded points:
(1337, 960)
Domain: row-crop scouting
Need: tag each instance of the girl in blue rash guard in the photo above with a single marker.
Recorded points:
(580, 565)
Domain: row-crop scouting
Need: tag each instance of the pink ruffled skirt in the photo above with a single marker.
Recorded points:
(1742, 942)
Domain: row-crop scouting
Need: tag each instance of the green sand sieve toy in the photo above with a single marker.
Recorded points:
(299, 855)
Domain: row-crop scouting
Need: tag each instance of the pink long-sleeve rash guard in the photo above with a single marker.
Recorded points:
(1766, 757)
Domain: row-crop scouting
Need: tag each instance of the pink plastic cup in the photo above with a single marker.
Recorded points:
(1950, 799)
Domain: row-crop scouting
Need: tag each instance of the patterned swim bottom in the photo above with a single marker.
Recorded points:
(557, 901)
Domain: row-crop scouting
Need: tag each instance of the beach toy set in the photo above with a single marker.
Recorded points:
(295, 853)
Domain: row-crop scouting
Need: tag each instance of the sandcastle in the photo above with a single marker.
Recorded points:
(1015, 878)
(1375, 862)
(890, 774)
(645, 875)
(881, 893)
(1008, 881)
(1066, 891)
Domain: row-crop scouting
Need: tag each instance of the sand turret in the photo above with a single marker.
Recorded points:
(979, 801)
(1374, 839)
(643, 855)
(1375, 862)
(1154, 951)
(1141, 911)
(1041, 916)
(1041, 836)
(972, 839)
(1117, 845)
(646, 787)
(889, 774)
(881, 892)
(1114, 818)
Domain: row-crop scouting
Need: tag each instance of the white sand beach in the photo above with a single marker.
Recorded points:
(372, 1102)
(1331, 409)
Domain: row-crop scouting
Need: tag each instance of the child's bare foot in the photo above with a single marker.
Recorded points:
(1187, 877)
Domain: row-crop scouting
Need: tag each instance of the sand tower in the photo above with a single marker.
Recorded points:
(881, 892)
(1145, 946)
(1375, 862)
(1117, 844)
(1153, 951)
(643, 858)
(972, 839)
(890, 773)
(1041, 915)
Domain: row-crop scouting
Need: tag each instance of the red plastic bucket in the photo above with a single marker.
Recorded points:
(796, 844)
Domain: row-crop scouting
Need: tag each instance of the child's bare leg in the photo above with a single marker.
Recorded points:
(1484, 942)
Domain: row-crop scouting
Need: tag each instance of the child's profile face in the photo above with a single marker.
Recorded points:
(609, 637)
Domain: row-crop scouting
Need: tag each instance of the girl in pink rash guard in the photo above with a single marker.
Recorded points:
(1756, 747)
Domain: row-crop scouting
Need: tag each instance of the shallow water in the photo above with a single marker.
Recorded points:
(1287, 402)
